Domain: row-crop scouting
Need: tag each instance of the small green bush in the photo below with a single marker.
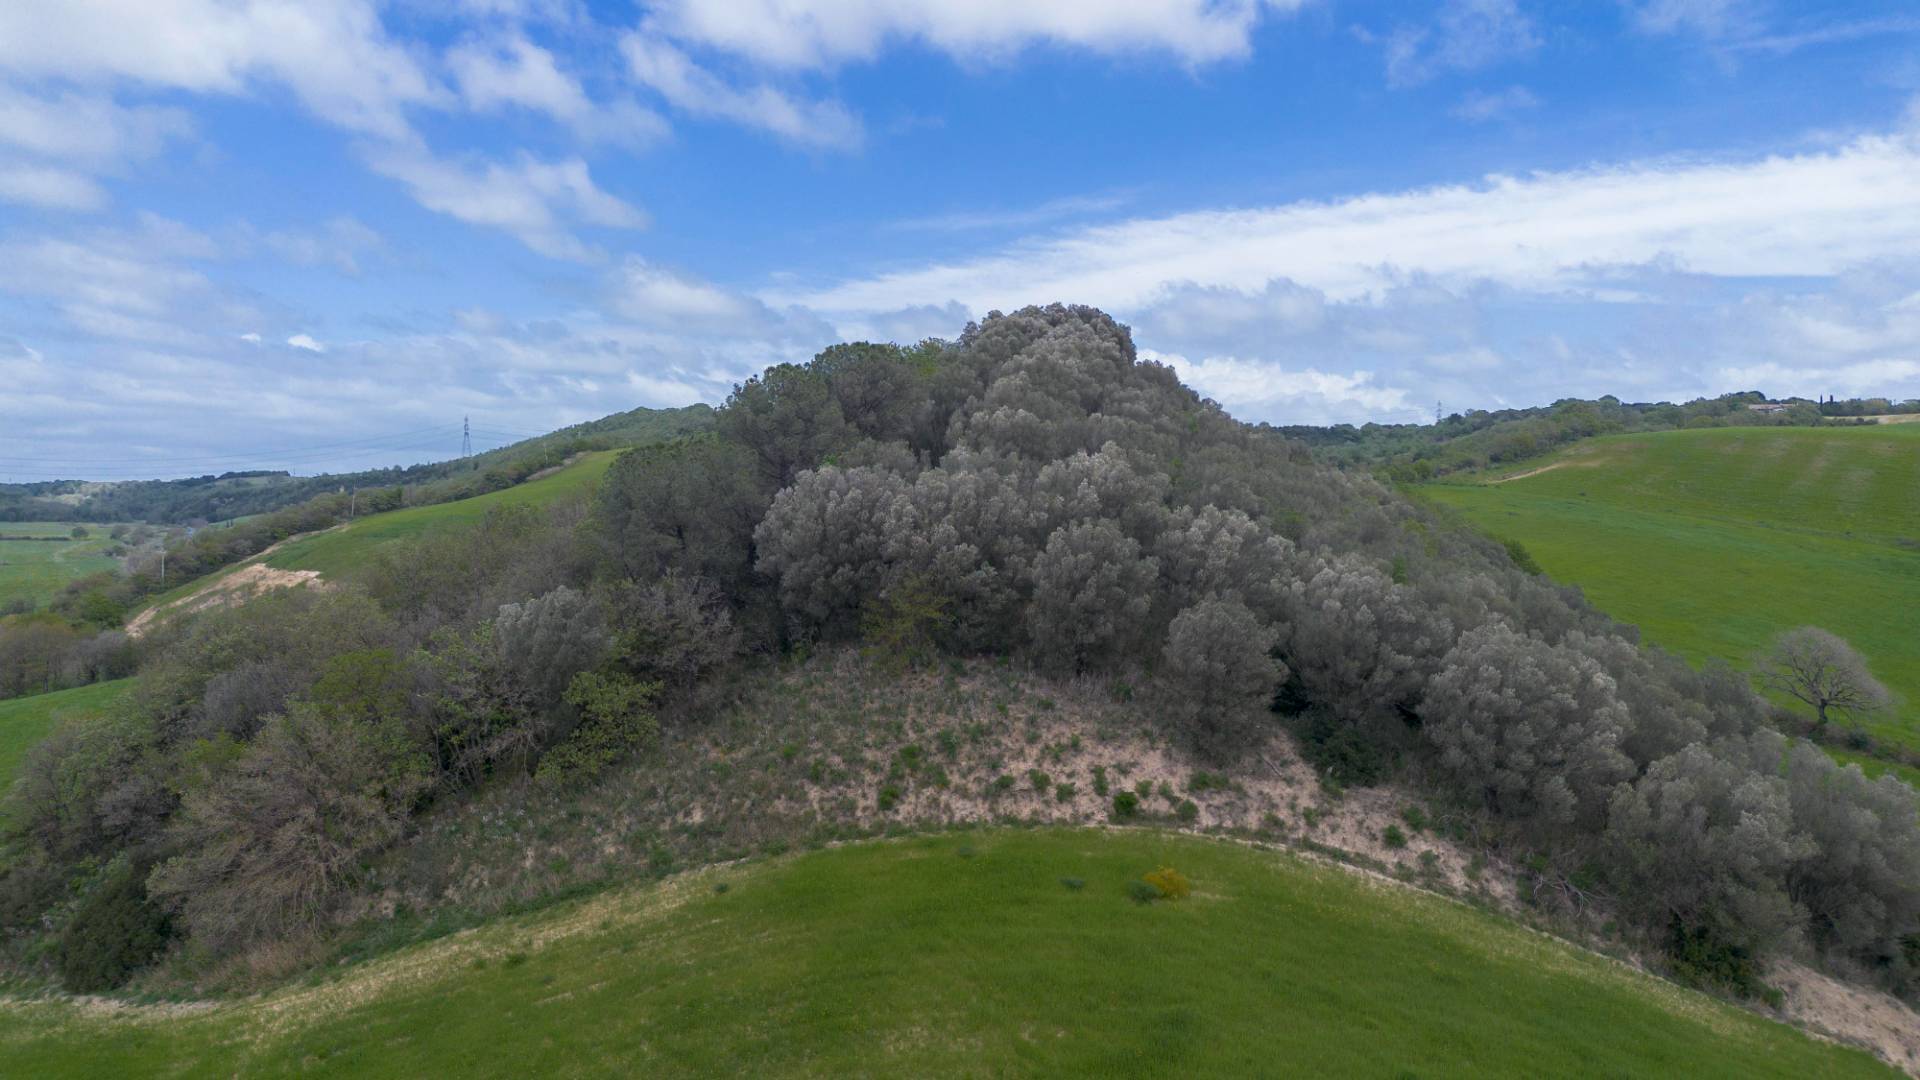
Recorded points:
(1203, 782)
(1000, 786)
(1040, 780)
(1142, 892)
(889, 797)
(1126, 806)
(1393, 837)
(1063, 792)
(1415, 818)
(1100, 786)
(1702, 958)
(1188, 812)
(117, 931)
(1074, 884)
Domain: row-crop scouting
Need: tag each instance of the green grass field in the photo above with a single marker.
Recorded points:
(336, 551)
(339, 550)
(25, 721)
(1713, 541)
(961, 955)
(35, 570)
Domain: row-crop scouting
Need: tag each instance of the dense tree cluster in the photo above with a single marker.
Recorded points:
(1033, 490)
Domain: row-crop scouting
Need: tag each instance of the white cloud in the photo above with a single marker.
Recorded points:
(689, 87)
(1479, 106)
(85, 129)
(803, 34)
(1273, 391)
(340, 243)
(1709, 18)
(49, 187)
(1464, 36)
(513, 72)
(306, 342)
(532, 199)
(335, 57)
(250, 338)
(1811, 214)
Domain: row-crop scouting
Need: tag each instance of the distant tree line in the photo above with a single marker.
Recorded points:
(1410, 453)
(1033, 491)
(212, 498)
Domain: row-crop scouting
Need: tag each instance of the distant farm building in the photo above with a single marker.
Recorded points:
(1768, 407)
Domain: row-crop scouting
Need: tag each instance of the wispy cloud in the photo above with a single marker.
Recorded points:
(1480, 106)
(1809, 214)
(1052, 210)
(691, 88)
(798, 34)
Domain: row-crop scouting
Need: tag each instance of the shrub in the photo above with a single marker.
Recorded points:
(1170, 883)
(1000, 786)
(1142, 892)
(615, 719)
(1100, 781)
(1702, 958)
(1126, 806)
(1074, 884)
(1393, 837)
(888, 798)
(1188, 812)
(1063, 792)
(115, 932)
(1415, 818)
(1040, 780)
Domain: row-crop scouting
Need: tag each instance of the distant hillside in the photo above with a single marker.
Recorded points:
(1714, 541)
(239, 494)
(336, 551)
(1479, 439)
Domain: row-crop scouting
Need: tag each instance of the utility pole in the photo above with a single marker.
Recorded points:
(466, 437)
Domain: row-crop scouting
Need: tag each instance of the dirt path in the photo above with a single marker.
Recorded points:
(1529, 472)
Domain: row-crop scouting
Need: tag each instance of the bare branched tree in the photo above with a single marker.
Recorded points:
(1821, 669)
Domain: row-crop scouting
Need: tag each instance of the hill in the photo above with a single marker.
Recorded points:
(25, 721)
(991, 953)
(1713, 541)
(231, 495)
(37, 558)
(339, 549)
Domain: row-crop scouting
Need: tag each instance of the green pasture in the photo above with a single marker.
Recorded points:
(1000, 953)
(338, 550)
(24, 721)
(36, 569)
(1713, 541)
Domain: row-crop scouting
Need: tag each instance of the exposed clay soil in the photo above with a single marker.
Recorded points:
(234, 588)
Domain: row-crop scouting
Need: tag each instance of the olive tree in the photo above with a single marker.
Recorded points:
(1219, 673)
(1092, 592)
(1532, 729)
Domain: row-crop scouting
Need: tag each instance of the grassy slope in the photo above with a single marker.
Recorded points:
(36, 569)
(963, 954)
(336, 550)
(26, 720)
(1713, 541)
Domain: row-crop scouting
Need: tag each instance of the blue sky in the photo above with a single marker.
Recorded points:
(315, 235)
